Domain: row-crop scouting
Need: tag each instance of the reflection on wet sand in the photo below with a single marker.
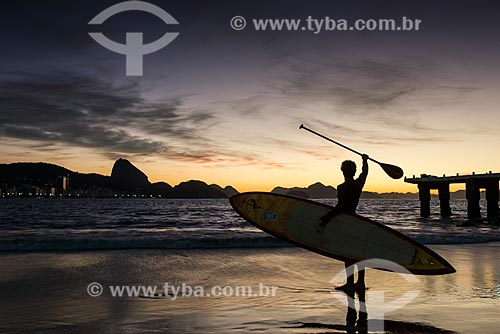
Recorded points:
(357, 321)
(46, 293)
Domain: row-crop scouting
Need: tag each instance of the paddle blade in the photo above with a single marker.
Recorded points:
(393, 171)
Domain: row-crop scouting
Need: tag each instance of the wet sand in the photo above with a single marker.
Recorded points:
(47, 293)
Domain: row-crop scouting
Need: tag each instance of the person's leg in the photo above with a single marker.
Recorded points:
(351, 315)
(362, 323)
(349, 271)
(361, 279)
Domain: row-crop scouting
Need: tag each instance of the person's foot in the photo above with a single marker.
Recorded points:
(362, 325)
(346, 287)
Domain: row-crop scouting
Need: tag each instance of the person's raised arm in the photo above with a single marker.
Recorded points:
(364, 170)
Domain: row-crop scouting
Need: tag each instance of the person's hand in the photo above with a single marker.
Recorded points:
(365, 157)
(324, 220)
(327, 218)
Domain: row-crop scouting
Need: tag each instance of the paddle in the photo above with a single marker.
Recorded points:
(393, 171)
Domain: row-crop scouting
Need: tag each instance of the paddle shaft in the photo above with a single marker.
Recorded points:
(335, 142)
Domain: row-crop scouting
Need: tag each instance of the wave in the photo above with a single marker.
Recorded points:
(456, 240)
(78, 244)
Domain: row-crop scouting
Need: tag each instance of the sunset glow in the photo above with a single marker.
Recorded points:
(224, 106)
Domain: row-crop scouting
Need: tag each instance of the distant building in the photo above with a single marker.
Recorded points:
(65, 184)
(62, 186)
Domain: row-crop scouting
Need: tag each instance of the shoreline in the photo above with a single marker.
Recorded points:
(215, 248)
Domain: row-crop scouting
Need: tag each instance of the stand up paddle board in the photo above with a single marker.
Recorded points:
(346, 237)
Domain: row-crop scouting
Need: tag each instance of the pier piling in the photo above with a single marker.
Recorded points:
(473, 195)
(492, 197)
(473, 185)
(424, 194)
(444, 199)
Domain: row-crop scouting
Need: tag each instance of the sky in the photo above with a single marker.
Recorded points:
(224, 105)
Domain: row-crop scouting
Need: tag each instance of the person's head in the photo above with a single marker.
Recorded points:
(348, 167)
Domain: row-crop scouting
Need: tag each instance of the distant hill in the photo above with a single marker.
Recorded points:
(319, 190)
(128, 180)
(316, 190)
(41, 174)
(298, 193)
(93, 180)
(228, 190)
(35, 172)
(161, 189)
(197, 189)
(391, 195)
(461, 194)
(125, 180)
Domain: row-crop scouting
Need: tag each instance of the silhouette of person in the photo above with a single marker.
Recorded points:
(348, 194)
(353, 321)
(351, 315)
(362, 322)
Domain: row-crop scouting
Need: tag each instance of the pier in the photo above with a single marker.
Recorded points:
(473, 185)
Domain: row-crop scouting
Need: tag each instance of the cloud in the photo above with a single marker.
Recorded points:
(400, 89)
(85, 111)
(53, 111)
(362, 84)
(386, 130)
(389, 101)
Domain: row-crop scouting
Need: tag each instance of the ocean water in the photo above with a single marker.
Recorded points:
(205, 243)
(84, 224)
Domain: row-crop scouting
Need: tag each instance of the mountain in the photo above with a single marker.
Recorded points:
(86, 181)
(125, 176)
(34, 173)
(125, 180)
(229, 191)
(196, 189)
(41, 174)
(461, 194)
(316, 190)
(161, 189)
(370, 195)
(128, 180)
(390, 195)
(297, 193)
(319, 190)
